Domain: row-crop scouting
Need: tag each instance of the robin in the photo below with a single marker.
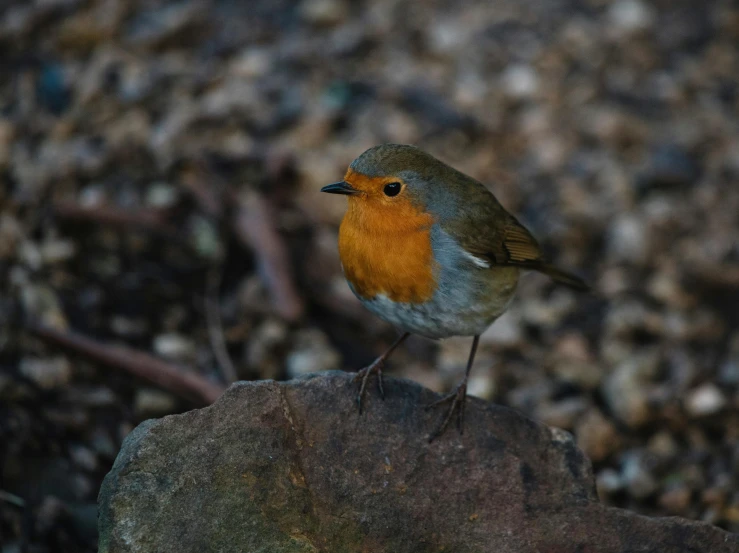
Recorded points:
(431, 251)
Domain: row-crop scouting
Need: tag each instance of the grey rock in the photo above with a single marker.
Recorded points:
(48, 374)
(290, 467)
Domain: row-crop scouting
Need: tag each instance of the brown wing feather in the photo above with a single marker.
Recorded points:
(490, 232)
(520, 245)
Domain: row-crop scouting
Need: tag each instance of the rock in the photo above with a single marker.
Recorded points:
(520, 82)
(705, 400)
(162, 195)
(174, 346)
(56, 250)
(629, 16)
(290, 467)
(7, 132)
(608, 481)
(562, 414)
(669, 166)
(676, 500)
(150, 402)
(48, 374)
(626, 390)
(596, 435)
(324, 12)
(628, 239)
(312, 352)
(636, 475)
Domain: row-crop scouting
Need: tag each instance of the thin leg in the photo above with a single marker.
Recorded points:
(376, 367)
(458, 398)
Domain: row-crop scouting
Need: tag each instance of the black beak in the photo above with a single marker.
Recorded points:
(340, 188)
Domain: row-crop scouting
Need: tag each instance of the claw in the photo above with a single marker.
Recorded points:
(364, 375)
(458, 399)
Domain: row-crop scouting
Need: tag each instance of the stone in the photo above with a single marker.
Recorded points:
(705, 400)
(47, 374)
(174, 346)
(291, 467)
(520, 81)
(626, 389)
(630, 16)
(596, 435)
(150, 402)
(312, 352)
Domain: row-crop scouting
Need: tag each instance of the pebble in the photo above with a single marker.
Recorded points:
(637, 476)
(324, 12)
(705, 400)
(596, 435)
(7, 133)
(260, 350)
(175, 346)
(56, 250)
(150, 402)
(626, 389)
(520, 82)
(608, 481)
(629, 16)
(628, 239)
(161, 195)
(663, 445)
(562, 414)
(482, 384)
(49, 373)
(675, 501)
(312, 353)
(83, 457)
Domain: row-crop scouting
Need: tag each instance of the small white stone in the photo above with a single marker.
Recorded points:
(312, 354)
(520, 81)
(324, 12)
(161, 194)
(57, 250)
(631, 15)
(482, 385)
(47, 373)
(628, 239)
(609, 481)
(174, 346)
(705, 400)
(150, 402)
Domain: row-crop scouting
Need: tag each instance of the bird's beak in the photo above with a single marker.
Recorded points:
(340, 187)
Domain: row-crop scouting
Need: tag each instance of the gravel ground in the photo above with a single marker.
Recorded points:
(154, 156)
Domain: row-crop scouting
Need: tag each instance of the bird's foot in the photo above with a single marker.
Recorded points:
(363, 377)
(458, 399)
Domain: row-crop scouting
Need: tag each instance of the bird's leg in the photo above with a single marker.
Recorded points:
(458, 398)
(376, 367)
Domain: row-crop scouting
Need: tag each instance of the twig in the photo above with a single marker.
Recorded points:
(12, 499)
(140, 364)
(254, 226)
(215, 328)
(252, 222)
(149, 219)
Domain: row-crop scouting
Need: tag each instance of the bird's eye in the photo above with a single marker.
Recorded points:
(392, 189)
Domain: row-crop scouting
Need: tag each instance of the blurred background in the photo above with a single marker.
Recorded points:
(160, 163)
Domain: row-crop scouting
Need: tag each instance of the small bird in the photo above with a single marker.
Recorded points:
(431, 251)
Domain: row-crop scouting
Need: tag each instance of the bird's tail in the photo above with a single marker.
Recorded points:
(563, 277)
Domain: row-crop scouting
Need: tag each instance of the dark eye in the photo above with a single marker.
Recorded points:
(392, 189)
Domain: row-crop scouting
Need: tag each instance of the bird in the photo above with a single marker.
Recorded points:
(431, 251)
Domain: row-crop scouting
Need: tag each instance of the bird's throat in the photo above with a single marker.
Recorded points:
(387, 251)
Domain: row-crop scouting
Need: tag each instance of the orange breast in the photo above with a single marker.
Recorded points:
(386, 249)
